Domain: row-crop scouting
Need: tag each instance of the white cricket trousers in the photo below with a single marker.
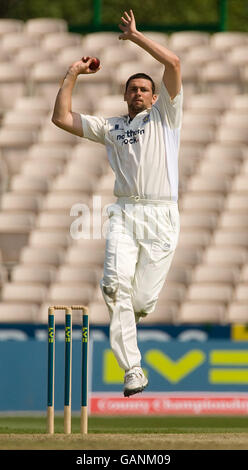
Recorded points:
(140, 244)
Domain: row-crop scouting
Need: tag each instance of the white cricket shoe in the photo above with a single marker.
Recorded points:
(134, 381)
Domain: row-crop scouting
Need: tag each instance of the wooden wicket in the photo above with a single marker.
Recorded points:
(68, 366)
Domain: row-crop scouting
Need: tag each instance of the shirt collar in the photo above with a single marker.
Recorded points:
(141, 114)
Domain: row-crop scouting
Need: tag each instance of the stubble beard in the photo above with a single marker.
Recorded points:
(137, 107)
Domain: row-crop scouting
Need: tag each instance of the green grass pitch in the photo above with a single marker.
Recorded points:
(143, 433)
(128, 425)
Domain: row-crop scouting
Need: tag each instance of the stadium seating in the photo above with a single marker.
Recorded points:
(49, 238)
(14, 42)
(68, 294)
(34, 274)
(225, 41)
(27, 56)
(51, 246)
(12, 84)
(42, 26)
(19, 292)
(98, 41)
(28, 184)
(184, 40)
(10, 25)
(58, 41)
(17, 312)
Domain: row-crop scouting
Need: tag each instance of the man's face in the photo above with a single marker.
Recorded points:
(139, 96)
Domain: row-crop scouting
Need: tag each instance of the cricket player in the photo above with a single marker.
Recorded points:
(144, 224)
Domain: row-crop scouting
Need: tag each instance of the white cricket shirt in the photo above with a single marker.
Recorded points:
(143, 152)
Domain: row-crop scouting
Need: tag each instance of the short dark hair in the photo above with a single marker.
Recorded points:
(141, 75)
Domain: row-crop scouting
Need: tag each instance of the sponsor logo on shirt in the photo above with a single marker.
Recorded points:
(130, 136)
(146, 119)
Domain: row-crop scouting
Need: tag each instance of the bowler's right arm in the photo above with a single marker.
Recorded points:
(63, 116)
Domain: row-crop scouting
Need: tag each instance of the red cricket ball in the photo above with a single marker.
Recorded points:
(94, 64)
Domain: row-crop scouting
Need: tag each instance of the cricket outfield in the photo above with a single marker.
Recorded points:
(135, 433)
